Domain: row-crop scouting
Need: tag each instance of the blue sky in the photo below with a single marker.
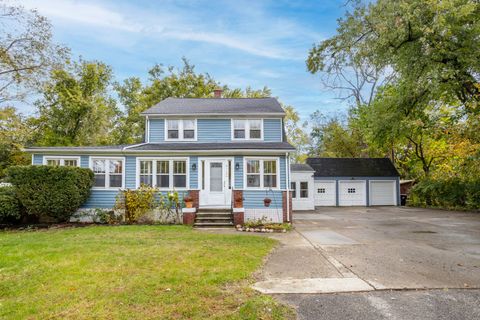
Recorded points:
(240, 43)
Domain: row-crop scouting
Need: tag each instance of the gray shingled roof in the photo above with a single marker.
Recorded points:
(298, 167)
(178, 146)
(237, 106)
(353, 167)
(214, 146)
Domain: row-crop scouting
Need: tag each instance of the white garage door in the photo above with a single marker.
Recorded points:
(383, 193)
(352, 193)
(325, 193)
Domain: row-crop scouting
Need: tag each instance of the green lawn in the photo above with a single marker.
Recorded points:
(126, 272)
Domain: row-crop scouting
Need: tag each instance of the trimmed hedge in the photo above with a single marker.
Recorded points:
(51, 192)
(10, 207)
(452, 193)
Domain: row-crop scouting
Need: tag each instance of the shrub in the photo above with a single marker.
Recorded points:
(136, 203)
(50, 191)
(451, 193)
(10, 208)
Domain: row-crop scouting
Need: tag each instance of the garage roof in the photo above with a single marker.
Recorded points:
(353, 167)
(301, 167)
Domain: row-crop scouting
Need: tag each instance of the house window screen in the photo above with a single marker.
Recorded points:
(253, 173)
(163, 174)
(146, 173)
(270, 174)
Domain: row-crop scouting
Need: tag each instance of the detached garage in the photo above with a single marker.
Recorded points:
(351, 182)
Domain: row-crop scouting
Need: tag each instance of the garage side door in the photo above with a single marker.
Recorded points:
(352, 193)
(383, 193)
(325, 193)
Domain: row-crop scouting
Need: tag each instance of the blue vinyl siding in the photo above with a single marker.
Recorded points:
(37, 159)
(85, 161)
(214, 130)
(282, 173)
(107, 198)
(130, 172)
(156, 131)
(253, 199)
(239, 172)
(101, 199)
(272, 130)
(194, 173)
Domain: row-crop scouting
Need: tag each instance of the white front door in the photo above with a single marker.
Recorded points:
(216, 184)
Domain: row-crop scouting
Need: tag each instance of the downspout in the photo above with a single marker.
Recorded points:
(287, 182)
(147, 129)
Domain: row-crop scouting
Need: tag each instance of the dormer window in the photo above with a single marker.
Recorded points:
(247, 129)
(181, 129)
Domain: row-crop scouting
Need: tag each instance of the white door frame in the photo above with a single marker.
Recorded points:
(207, 198)
(364, 199)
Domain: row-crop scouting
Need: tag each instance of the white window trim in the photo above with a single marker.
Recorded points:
(180, 130)
(61, 158)
(170, 171)
(262, 187)
(107, 180)
(247, 129)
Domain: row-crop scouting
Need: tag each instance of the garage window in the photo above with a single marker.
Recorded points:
(321, 190)
(303, 189)
(351, 190)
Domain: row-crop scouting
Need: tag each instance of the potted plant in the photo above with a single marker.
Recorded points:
(267, 202)
(188, 201)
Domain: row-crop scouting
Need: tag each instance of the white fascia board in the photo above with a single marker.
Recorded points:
(209, 115)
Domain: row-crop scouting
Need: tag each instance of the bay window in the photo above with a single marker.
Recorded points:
(163, 174)
(62, 161)
(261, 173)
(108, 172)
(247, 129)
(180, 129)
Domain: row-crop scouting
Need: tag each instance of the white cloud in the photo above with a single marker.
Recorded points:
(257, 35)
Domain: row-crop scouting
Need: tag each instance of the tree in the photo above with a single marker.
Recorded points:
(164, 83)
(334, 137)
(14, 134)
(430, 48)
(295, 132)
(76, 108)
(27, 51)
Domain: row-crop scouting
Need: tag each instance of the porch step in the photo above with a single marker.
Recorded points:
(212, 218)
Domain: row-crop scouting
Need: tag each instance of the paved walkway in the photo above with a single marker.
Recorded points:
(363, 250)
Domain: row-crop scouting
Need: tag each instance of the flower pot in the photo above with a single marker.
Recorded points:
(189, 204)
(266, 202)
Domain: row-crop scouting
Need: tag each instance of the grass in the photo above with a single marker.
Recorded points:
(132, 272)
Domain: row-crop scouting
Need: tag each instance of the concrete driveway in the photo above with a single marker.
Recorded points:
(373, 250)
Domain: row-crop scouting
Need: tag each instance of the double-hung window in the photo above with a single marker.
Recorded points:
(247, 129)
(262, 173)
(304, 189)
(163, 174)
(108, 173)
(62, 161)
(293, 187)
(181, 129)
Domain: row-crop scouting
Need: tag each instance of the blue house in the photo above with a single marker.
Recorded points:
(229, 155)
